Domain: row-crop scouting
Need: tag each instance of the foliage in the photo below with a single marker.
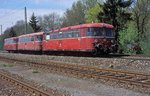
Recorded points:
(89, 3)
(127, 37)
(92, 13)
(141, 10)
(115, 13)
(19, 27)
(34, 23)
(75, 15)
(12, 33)
(145, 42)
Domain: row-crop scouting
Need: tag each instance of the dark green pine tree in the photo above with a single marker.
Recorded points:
(12, 33)
(34, 23)
(115, 12)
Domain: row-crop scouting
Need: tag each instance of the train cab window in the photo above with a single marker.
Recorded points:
(109, 32)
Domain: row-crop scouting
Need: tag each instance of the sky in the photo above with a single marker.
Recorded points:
(13, 10)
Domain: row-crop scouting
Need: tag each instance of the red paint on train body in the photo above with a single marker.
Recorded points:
(97, 38)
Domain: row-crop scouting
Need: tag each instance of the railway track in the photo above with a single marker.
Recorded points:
(22, 85)
(132, 78)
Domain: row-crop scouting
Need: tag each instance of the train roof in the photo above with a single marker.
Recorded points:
(32, 34)
(83, 26)
(11, 38)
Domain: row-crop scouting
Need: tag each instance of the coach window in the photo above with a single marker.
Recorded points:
(76, 33)
(55, 35)
(32, 38)
(14, 40)
(89, 32)
(22, 39)
(98, 31)
(70, 34)
(65, 34)
(25, 39)
(39, 38)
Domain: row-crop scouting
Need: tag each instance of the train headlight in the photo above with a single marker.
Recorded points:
(112, 41)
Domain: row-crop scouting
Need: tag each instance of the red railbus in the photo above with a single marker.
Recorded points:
(11, 44)
(97, 38)
(30, 42)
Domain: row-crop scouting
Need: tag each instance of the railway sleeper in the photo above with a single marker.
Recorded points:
(120, 75)
(128, 77)
(147, 81)
(140, 79)
(103, 73)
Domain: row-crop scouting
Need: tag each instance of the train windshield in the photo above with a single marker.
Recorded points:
(96, 31)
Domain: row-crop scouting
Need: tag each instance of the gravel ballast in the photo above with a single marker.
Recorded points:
(64, 84)
(105, 63)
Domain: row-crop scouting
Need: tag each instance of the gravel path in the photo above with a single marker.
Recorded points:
(74, 86)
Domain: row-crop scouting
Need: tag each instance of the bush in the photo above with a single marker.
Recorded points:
(127, 38)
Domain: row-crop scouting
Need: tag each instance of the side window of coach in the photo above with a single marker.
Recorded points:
(32, 38)
(89, 32)
(39, 37)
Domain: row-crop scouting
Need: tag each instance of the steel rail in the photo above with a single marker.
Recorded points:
(23, 85)
(91, 72)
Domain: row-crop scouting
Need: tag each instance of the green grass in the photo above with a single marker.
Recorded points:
(35, 71)
(8, 65)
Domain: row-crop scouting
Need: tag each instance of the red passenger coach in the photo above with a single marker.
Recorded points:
(30, 42)
(10, 44)
(97, 38)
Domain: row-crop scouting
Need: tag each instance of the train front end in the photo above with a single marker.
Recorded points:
(103, 40)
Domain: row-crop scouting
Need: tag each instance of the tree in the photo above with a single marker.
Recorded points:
(89, 3)
(141, 10)
(19, 28)
(75, 15)
(115, 13)
(50, 22)
(92, 13)
(127, 37)
(12, 33)
(34, 23)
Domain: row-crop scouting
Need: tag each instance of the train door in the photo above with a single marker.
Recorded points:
(83, 39)
(16, 42)
(60, 41)
(38, 43)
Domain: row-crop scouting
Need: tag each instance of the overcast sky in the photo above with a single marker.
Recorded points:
(13, 10)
